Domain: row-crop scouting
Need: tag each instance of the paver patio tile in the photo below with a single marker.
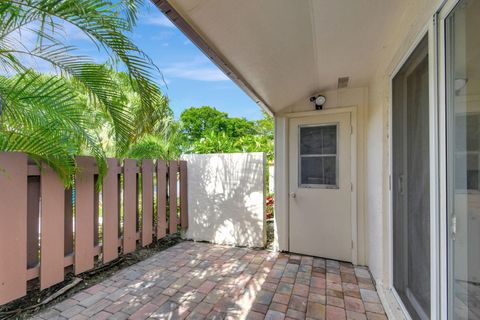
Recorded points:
(274, 315)
(354, 304)
(369, 296)
(169, 292)
(281, 298)
(295, 314)
(264, 297)
(116, 306)
(298, 303)
(203, 308)
(349, 278)
(352, 315)
(270, 286)
(165, 310)
(80, 296)
(204, 281)
(287, 280)
(278, 307)
(374, 307)
(119, 316)
(376, 316)
(207, 286)
(316, 310)
(97, 307)
(334, 301)
(102, 315)
(316, 297)
(253, 315)
(285, 288)
(300, 290)
(144, 312)
(79, 317)
(351, 290)
(260, 308)
(92, 299)
(335, 313)
(66, 304)
(76, 309)
(334, 293)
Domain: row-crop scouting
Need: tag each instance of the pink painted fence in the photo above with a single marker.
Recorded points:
(45, 228)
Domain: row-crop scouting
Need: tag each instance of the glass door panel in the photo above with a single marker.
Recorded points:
(411, 183)
(463, 159)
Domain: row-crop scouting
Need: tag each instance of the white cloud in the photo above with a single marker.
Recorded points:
(195, 70)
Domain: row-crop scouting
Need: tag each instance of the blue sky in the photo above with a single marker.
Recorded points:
(192, 80)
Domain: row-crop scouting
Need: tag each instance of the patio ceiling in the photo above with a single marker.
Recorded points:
(281, 51)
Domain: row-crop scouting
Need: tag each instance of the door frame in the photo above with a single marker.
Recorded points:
(426, 31)
(443, 13)
(352, 110)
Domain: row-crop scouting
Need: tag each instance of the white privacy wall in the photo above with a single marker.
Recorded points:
(226, 198)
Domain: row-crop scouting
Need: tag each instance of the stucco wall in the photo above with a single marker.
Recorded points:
(408, 29)
(373, 104)
(226, 198)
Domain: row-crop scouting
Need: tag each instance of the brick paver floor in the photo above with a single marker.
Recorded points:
(205, 281)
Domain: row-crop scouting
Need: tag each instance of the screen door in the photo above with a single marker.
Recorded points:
(410, 183)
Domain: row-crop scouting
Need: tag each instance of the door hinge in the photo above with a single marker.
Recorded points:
(351, 130)
(352, 244)
(390, 182)
(351, 186)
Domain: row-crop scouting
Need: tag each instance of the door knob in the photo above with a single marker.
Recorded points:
(293, 195)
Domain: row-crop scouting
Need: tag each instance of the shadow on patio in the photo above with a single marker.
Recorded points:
(204, 281)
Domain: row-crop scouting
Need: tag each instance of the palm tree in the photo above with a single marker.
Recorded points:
(45, 116)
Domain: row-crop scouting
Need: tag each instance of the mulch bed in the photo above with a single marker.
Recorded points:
(29, 305)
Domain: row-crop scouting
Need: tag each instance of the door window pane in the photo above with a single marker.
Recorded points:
(463, 159)
(411, 183)
(318, 140)
(318, 156)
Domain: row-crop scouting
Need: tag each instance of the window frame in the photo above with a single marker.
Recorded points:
(337, 161)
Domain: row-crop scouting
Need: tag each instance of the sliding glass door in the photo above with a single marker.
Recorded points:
(463, 159)
(411, 183)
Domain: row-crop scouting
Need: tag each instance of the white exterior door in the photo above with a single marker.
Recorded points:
(320, 221)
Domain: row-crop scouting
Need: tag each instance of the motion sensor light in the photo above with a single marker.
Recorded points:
(319, 101)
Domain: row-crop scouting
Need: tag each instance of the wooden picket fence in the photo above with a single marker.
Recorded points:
(46, 229)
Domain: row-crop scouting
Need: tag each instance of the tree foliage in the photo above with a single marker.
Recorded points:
(47, 117)
(199, 122)
(208, 130)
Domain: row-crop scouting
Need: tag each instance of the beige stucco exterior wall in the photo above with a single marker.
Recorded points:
(373, 104)
(417, 17)
(411, 26)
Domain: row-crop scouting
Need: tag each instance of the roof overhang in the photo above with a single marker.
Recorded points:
(281, 52)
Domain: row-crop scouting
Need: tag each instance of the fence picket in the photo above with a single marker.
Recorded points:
(13, 226)
(52, 228)
(84, 214)
(172, 196)
(110, 211)
(147, 201)
(129, 205)
(68, 219)
(161, 199)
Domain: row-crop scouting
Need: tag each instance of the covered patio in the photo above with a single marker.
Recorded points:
(195, 280)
